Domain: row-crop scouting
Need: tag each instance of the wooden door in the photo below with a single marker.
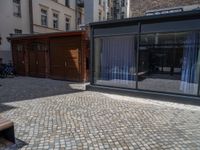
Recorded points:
(32, 63)
(19, 58)
(41, 64)
(57, 62)
(21, 63)
(64, 58)
(37, 61)
(72, 64)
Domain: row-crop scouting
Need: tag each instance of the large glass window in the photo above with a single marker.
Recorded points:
(169, 62)
(115, 61)
(17, 8)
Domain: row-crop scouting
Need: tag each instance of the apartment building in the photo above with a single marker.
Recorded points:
(153, 7)
(14, 15)
(37, 16)
(121, 9)
(97, 10)
(134, 8)
(56, 15)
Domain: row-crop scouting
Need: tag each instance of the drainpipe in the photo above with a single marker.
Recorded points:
(76, 14)
(31, 15)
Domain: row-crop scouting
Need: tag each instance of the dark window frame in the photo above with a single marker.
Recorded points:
(139, 36)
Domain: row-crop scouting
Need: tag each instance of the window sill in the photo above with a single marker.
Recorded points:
(44, 26)
(18, 16)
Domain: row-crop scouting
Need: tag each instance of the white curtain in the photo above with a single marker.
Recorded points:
(191, 64)
(118, 58)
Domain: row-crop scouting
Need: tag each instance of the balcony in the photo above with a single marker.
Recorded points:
(80, 3)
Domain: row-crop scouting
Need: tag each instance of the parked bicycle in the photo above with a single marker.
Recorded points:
(6, 70)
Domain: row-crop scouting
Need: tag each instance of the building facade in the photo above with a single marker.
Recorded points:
(36, 16)
(56, 15)
(140, 8)
(98, 10)
(14, 16)
(149, 54)
(121, 9)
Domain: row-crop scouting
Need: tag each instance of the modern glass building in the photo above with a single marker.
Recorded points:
(151, 53)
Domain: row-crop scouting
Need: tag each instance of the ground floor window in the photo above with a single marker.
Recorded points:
(115, 61)
(165, 62)
(169, 62)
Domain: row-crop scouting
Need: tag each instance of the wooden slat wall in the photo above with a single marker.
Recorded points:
(64, 56)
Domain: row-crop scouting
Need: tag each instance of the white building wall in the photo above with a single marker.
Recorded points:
(89, 11)
(119, 9)
(92, 9)
(9, 23)
(51, 7)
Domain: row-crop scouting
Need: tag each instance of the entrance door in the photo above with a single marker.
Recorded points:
(32, 63)
(19, 58)
(37, 63)
(64, 58)
(72, 64)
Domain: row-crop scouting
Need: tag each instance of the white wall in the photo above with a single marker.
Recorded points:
(92, 9)
(89, 11)
(9, 22)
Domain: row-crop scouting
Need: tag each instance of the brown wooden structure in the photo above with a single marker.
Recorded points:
(62, 56)
(7, 129)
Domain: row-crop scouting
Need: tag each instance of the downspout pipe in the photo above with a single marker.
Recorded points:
(31, 15)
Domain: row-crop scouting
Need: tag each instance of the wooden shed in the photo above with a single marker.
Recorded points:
(62, 56)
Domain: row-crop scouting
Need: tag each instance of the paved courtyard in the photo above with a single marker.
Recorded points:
(50, 114)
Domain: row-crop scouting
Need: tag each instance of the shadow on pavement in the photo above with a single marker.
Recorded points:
(147, 95)
(4, 107)
(26, 88)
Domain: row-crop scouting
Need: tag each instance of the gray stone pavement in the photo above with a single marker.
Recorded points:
(50, 114)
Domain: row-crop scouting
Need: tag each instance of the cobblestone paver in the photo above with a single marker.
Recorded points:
(52, 114)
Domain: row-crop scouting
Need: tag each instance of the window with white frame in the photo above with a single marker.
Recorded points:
(67, 23)
(100, 15)
(108, 3)
(55, 20)
(79, 18)
(122, 15)
(44, 17)
(67, 3)
(17, 8)
(122, 3)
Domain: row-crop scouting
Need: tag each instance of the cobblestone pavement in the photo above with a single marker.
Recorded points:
(51, 114)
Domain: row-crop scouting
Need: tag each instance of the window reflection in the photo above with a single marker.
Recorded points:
(115, 61)
(168, 62)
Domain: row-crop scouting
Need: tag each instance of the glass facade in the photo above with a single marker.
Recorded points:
(169, 62)
(163, 62)
(115, 61)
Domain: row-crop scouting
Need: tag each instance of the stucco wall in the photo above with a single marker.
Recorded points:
(51, 7)
(9, 23)
(139, 7)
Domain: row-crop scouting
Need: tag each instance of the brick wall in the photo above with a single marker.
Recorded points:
(139, 7)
